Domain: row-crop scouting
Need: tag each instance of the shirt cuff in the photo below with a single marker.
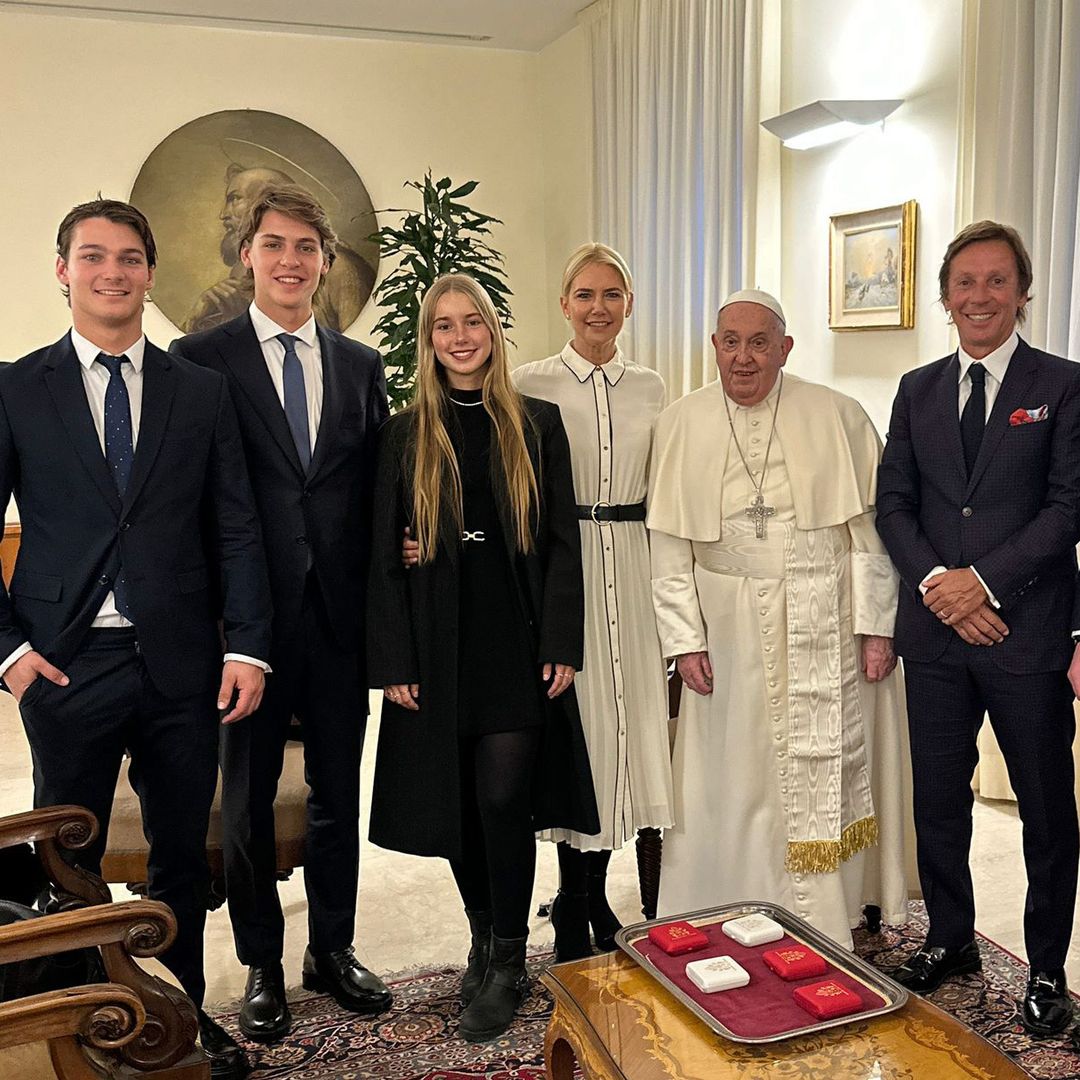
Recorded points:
(989, 595)
(266, 668)
(933, 573)
(21, 651)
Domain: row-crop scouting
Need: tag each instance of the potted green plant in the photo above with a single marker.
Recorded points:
(444, 236)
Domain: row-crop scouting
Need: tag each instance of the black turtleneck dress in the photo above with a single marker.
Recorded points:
(499, 686)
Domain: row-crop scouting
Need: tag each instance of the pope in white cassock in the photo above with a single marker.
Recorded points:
(775, 595)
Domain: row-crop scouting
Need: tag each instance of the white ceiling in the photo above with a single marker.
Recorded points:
(527, 25)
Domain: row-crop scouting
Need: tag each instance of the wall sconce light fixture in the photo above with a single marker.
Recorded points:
(823, 122)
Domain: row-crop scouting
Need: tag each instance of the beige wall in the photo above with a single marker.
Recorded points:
(86, 100)
(565, 94)
(906, 49)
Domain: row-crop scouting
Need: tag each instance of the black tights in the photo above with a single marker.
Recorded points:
(575, 867)
(498, 863)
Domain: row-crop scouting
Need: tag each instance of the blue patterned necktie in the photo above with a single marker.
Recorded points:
(296, 410)
(119, 448)
(973, 418)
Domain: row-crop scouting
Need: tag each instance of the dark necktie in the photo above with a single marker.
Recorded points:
(973, 418)
(119, 448)
(296, 411)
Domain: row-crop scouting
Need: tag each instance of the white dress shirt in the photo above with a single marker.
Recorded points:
(996, 364)
(309, 354)
(95, 379)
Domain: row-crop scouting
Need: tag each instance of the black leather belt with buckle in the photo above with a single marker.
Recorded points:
(602, 512)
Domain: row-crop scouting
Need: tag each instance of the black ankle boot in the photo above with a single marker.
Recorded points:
(503, 990)
(479, 954)
(570, 918)
(605, 923)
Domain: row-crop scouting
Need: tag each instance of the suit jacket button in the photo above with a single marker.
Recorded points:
(301, 539)
(104, 579)
(125, 526)
(967, 511)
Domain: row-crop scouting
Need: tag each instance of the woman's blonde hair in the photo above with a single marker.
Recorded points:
(436, 474)
(591, 253)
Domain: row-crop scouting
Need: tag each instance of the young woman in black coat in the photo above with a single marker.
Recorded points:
(476, 647)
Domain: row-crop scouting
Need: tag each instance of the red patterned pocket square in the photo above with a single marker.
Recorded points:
(1029, 416)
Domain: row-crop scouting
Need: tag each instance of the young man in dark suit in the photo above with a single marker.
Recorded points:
(136, 512)
(310, 403)
(979, 506)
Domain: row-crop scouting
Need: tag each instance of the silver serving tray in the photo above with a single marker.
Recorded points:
(892, 992)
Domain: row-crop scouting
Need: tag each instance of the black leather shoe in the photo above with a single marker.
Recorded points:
(346, 980)
(264, 1014)
(227, 1060)
(1047, 1008)
(932, 965)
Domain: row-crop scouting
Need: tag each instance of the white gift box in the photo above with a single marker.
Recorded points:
(717, 973)
(753, 930)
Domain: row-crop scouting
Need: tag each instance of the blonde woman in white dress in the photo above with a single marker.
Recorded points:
(608, 405)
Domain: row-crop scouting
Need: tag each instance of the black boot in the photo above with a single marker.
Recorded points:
(605, 923)
(503, 990)
(649, 847)
(479, 954)
(570, 917)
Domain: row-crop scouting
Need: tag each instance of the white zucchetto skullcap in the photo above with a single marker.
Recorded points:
(755, 296)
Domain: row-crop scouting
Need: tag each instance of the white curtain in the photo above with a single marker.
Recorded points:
(676, 106)
(1020, 163)
(1020, 147)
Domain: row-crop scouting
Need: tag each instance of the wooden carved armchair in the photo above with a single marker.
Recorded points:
(133, 1024)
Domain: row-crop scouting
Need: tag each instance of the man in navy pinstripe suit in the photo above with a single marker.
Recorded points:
(979, 506)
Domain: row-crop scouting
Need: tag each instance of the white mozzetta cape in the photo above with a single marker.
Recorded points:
(830, 448)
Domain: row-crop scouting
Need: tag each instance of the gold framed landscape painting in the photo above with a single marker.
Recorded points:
(872, 269)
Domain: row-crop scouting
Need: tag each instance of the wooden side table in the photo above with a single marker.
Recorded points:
(615, 1021)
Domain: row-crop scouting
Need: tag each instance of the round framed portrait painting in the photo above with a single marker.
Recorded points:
(195, 187)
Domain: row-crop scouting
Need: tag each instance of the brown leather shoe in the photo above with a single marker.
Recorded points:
(346, 980)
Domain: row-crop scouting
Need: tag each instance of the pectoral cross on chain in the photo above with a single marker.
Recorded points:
(757, 512)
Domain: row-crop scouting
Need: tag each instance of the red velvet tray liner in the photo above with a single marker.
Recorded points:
(765, 1007)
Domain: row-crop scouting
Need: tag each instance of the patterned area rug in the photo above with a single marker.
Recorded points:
(418, 1039)
(985, 1001)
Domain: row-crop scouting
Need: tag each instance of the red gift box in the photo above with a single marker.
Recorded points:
(827, 999)
(677, 938)
(795, 962)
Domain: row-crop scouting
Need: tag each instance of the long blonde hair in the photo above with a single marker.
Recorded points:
(436, 474)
